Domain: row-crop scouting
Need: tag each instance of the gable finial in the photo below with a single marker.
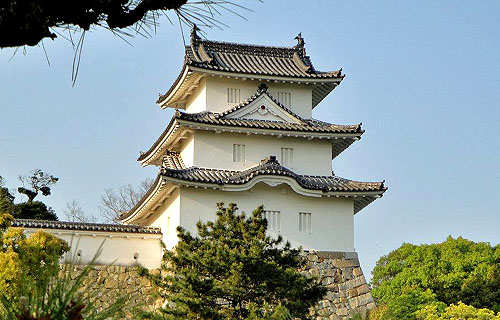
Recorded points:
(262, 87)
(194, 32)
(300, 44)
(300, 41)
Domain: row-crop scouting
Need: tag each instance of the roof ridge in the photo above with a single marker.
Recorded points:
(240, 44)
(271, 163)
(193, 168)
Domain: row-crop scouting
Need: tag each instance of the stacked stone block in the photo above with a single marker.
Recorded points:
(348, 293)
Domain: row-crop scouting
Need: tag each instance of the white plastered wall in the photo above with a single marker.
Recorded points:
(332, 218)
(167, 218)
(215, 150)
(187, 151)
(197, 102)
(117, 248)
(212, 95)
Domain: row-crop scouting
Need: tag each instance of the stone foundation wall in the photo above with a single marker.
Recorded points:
(106, 283)
(348, 293)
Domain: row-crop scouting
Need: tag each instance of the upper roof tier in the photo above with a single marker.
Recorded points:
(284, 64)
(254, 59)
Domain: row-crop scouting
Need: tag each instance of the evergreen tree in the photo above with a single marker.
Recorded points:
(33, 210)
(27, 210)
(6, 200)
(233, 270)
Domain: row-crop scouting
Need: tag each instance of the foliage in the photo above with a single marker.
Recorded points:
(28, 22)
(114, 203)
(233, 270)
(35, 183)
(30, 209)
(35, 210)
(22, 259)
(460, 311)
(6, 200)
(32, 285)
(457, 270)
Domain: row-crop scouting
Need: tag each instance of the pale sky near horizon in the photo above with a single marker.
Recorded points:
(422, 76)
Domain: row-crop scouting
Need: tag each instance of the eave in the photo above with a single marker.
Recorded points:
(154, 198)
(164, 185)
(189, 78)
(178, 130)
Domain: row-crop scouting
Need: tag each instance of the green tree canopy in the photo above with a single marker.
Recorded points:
(456, 270)
(33, 210)
(6, 200)
(25, 210)
(233, 270)
(460, 311)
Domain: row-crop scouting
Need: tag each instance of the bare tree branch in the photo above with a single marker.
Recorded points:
(114, 203)
(74, 213)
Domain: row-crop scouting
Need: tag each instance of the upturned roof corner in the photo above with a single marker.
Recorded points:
(288, 64)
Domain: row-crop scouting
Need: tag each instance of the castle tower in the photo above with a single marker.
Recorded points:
(243, 132)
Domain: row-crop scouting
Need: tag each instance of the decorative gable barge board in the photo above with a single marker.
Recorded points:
(261, 92)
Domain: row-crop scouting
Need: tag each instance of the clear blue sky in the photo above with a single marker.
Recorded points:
(422, 76)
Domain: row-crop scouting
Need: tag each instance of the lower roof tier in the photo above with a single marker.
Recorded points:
(269, 171)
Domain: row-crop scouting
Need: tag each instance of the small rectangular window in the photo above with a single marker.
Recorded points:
(285, 98)
(305, 222)
(273, 220)
(233, 95)
(168, 225)
(238, 153)
(287, 157)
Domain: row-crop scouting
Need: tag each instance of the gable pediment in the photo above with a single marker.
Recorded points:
(263, 108)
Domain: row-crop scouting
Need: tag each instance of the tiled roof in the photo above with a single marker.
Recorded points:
(254, 59)
(270, 166)
(363, 193)
(257, 60)
(307, 125)
(78, 226)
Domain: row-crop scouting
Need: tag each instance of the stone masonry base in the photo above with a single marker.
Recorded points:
(348, 293)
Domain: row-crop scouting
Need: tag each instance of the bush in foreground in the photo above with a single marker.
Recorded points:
(34, 287)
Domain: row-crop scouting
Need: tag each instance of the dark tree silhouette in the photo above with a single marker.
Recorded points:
(27, 22)
(37, 182)
(34, 210)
